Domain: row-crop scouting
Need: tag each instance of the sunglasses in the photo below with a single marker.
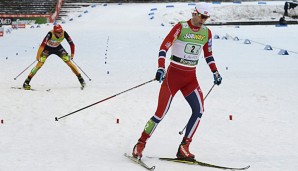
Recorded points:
(202, 16)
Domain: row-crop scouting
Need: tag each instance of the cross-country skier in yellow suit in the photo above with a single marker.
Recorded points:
(51, 44)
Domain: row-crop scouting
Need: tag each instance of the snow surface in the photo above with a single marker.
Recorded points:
(258, 90)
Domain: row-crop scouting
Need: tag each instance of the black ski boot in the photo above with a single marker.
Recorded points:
(82, 81)
(26, 84)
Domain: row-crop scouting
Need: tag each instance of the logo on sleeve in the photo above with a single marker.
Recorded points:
(210, 45)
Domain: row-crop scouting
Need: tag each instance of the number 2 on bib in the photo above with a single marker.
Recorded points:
(192, 49)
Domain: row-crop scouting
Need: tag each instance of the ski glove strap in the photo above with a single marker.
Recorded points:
(160, 74)
(217, 78)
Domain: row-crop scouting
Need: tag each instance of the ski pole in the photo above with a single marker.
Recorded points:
(181, 132)
(24, 70)
(56, 118)
(81, 69)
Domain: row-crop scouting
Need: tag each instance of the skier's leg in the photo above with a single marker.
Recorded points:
(26, 84)
(36, 68)
(66, 58)
(164, 101)
(195, 100)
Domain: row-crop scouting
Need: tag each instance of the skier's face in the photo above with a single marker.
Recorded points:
(199, 18)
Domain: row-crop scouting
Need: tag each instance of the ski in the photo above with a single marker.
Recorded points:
(196, 162)
(21, 88)
(139, 161)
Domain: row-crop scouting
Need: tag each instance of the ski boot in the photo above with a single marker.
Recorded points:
(26, 84)
(82, 81)
(138, 149)
(183, 150)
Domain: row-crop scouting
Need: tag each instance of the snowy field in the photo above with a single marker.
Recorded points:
(117, 47)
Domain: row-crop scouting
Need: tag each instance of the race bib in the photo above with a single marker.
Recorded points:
(193, 49)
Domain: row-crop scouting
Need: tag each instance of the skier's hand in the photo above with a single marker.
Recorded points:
(160, 74)
(217, 78)
(71, 56)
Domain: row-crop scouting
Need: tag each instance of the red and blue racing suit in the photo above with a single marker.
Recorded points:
(187, 43)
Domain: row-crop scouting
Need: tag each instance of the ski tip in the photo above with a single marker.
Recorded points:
(247, 167)
(56, 119)
(139, 161)
(127, 155)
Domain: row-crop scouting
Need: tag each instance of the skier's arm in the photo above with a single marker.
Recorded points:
(210, 60)
(208, 53)
(43, 44)
(71, 44)
(167, 43)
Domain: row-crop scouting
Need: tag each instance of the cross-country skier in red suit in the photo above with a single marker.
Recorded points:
(187, 39)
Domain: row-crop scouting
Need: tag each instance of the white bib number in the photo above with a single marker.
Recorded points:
(193, 49)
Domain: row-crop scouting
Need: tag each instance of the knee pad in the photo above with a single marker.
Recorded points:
(43, 59)
(65, 58)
